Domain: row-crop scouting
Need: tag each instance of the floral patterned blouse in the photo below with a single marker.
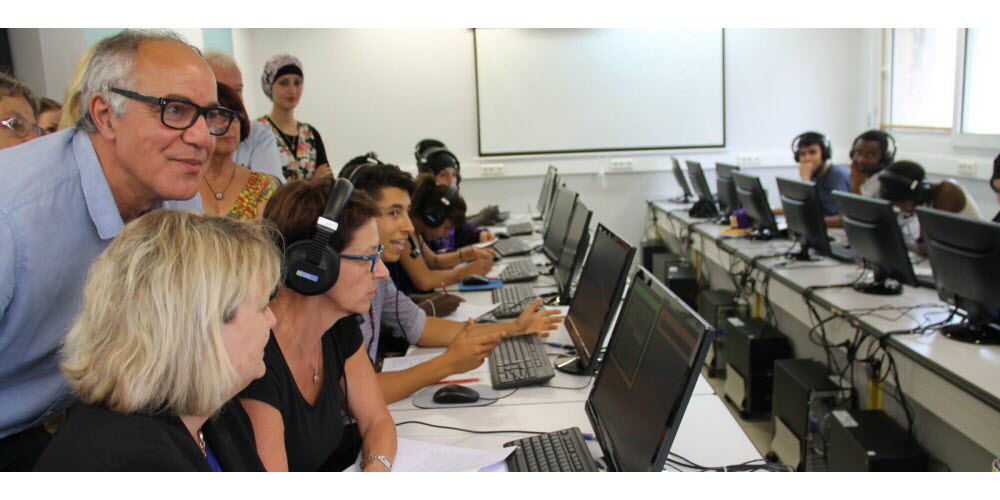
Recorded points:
(308, 148)
(259, 187)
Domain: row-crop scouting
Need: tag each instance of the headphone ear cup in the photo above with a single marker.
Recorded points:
(305, 278)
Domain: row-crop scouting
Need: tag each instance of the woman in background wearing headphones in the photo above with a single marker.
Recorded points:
(433, 157)
(871, 152)
(903, 183)
(436, 209)
(995, 183)
(315, 358)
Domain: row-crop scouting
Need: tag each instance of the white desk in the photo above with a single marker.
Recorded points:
(957, 383)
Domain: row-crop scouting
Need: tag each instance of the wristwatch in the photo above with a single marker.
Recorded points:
(378, 458)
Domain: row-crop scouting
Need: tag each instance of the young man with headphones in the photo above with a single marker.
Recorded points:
(904, 184)
(871, 152)
(468, 344)
(813, 152)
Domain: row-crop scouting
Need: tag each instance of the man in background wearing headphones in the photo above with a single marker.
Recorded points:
(813, 153)
(468, 344)
(904, 184)
(871, 152)
(995, 183)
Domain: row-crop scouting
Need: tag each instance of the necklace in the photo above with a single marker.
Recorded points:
(219, 194)
(303, 349)
(201, 443)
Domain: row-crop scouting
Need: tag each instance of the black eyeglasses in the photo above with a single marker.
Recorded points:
(373, 258)
(180, 114)
(21, 127)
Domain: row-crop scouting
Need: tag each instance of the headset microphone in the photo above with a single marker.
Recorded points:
(414, 249)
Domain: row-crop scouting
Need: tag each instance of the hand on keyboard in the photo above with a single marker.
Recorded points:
(532, 320)
(467, 351)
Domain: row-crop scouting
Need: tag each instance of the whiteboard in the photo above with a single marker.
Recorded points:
(577, 90)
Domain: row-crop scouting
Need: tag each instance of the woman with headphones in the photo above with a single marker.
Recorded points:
(315, 358)
(437, 209)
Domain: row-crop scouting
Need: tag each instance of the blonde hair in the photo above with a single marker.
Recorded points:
(71, 102)
(147, 338)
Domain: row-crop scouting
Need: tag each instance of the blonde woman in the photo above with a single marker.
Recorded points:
(173, 324)
(72, 107)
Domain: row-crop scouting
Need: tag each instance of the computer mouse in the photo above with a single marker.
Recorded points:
(502, 235)
(455, 394)
(475, 279)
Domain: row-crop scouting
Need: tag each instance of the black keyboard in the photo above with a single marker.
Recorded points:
(559, 451)
(513, 293)
(519, 270)
(519, 361)
(511, 246)
(520, 228)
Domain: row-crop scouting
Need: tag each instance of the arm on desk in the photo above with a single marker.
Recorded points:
(425, 278)
(440, 332)
(378, 431)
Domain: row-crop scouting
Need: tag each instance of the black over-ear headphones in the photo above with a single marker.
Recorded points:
(824, 144)
(424, 145)
(434, 212)
(311, 266)
(896, 187)
(886, 141)
(425, 157)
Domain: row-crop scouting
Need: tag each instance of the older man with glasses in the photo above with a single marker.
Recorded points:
(145, 136)
(18, 112)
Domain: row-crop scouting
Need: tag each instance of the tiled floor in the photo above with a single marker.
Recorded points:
(759, 430)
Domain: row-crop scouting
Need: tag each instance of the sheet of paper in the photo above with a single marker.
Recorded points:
(486, 243)
(497, 269)
(418, 456)
(466, 310)
(405, 362)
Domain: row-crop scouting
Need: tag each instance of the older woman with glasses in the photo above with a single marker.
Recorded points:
(319, 376)
(299, 144)
(173, 324)
(18, 110)
(227, 188)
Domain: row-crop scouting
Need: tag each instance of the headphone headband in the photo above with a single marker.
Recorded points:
(311, 266)
(824, 144)
(886, 142)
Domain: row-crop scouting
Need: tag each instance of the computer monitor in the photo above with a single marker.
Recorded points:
(726, 188)
(555, 234)
(547, 214)
(876, 239)
(546, 194)
(574, 248)
(681, 181)
(593, 308)
(648, 375)
(965, 256)
(754, 199)
(705, 206)
(804, 216)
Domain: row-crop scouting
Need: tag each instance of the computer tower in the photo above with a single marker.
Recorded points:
(661, 262)
(804, 394)
(681, 279)
(870, 441)
(650, 247)
(752, 347)
(715, 306)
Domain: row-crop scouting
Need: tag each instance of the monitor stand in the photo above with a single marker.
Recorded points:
(572, 366)
(881, 284)
(979, 327)
(680, 199)
(761, 234)
(804, 254)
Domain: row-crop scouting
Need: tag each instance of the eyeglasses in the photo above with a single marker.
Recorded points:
(374, 258)
(180, 114)
(21, 127)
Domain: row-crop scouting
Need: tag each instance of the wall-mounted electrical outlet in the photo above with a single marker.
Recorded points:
(967, 168)
(492, 169)
(621, 164)
(747, 159)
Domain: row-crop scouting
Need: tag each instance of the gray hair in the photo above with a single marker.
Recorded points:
(112, 66)
(12, 87)
(220, 59)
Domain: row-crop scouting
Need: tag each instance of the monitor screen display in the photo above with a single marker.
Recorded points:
(555, 233)
(546, 194)
(573, 248)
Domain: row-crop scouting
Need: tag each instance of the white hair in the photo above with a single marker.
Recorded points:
(220, 59)
(111, 66)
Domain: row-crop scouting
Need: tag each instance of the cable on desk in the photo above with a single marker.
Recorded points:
(589, 381)
(747, 466)
(472, 431)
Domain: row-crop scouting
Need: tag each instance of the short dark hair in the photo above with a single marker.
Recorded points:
(377, 176)
(811, 139)
(229, 99)
(429, 193)
(996, 174)
(909, 169)
(296, 205)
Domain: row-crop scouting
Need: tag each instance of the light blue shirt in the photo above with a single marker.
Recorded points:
(57, 214)
(259, 152)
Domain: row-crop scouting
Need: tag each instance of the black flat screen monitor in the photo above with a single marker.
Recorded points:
(547, 214)
(804, 215)
(726, 188)
(754, 199)
(651, 367)
(555, 234)
(574, 248)
(965, 256)
(593, 308)
(546, 194)
(698, 182)
(681, 180)
(875, 238)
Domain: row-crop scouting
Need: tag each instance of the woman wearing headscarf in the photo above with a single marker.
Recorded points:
(299, 144)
